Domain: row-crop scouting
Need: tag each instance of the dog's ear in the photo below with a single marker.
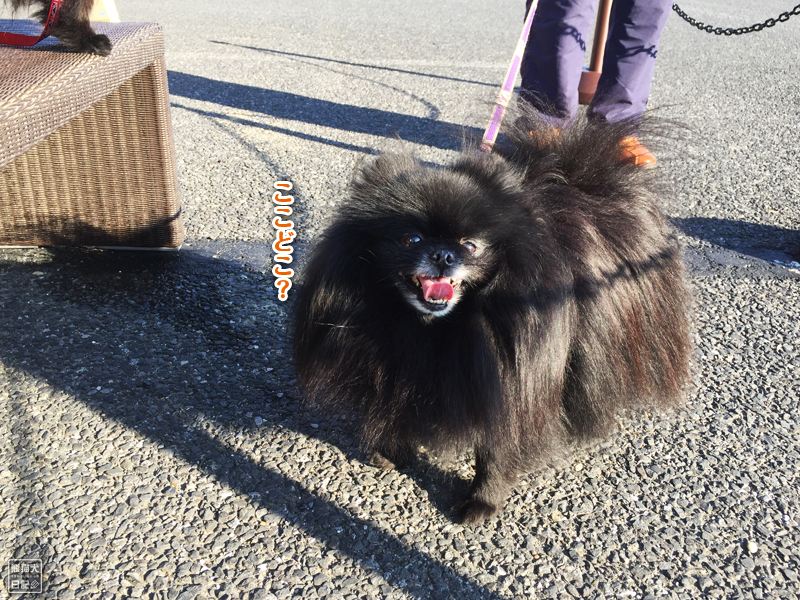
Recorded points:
(490, 171)
(379, 173)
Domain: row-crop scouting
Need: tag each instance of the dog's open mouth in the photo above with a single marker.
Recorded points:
(433, 292)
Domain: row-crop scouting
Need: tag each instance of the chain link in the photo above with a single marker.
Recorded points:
(782, 18)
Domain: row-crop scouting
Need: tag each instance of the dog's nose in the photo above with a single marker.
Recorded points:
(443, 258)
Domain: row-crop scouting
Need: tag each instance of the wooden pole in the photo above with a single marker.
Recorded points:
(588, 82)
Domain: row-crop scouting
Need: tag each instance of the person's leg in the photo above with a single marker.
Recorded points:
(634, 32)
(553, 60)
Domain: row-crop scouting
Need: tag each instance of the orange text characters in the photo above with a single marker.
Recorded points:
(283, 285)
(280, 272)
(279, 198)
(279, 223)
(282, 243)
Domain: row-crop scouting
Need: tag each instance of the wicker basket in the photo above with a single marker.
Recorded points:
(87, 156)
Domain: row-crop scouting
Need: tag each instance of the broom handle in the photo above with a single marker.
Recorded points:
(600, 36)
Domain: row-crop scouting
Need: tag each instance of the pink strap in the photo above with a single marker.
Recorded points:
(18, 39)
(490, 136)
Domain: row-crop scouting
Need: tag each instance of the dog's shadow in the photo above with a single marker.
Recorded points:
(166, 343)
(445, 480)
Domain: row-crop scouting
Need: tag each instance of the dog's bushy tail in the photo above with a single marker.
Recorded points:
(631, 347)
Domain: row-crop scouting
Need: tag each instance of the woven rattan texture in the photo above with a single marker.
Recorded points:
(87, 156)
(107, 178)
(42, 89)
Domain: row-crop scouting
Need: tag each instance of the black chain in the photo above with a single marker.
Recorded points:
(740, 30)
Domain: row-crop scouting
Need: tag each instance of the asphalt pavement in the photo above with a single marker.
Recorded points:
(151, 440)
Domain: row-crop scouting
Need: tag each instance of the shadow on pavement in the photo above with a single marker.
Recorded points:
(144, 339)
(293, 107)
(765, 242)
(325, 59)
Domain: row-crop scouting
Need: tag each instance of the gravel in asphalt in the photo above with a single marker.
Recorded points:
(151, 440)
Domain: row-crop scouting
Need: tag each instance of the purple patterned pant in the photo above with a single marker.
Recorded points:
(554, 56)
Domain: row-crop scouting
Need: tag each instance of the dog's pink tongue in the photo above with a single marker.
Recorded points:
(436, 289)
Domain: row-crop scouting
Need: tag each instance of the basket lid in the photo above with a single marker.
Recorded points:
(44, 87)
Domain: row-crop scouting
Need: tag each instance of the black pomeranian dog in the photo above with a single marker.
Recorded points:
(72, 26)
(509, 304)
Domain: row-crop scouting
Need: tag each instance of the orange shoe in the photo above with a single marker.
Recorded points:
(633, 152)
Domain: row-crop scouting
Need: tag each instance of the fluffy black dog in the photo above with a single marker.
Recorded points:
(509, 303)
(72, 26)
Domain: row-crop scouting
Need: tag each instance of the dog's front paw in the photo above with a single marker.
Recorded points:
(388, 458)
(473, 511)
(94, 44)
(379, 460)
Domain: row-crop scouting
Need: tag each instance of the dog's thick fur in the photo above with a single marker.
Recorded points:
(569, 304)
(72, 26)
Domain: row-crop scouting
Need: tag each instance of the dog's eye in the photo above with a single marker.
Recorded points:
(410, 239)
(470, 246)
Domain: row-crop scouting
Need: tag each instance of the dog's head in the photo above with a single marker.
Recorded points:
(432, 235)
(433, 270)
